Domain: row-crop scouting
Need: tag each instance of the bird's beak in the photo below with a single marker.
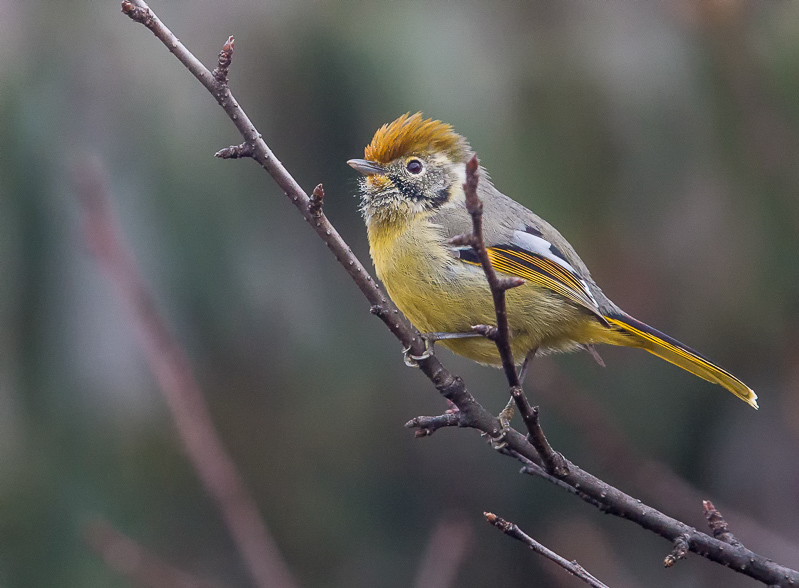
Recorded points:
(367, 168)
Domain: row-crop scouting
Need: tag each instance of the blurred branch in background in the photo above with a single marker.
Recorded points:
(172, 370)
(472, 414)
(449, 543)
(127, 557)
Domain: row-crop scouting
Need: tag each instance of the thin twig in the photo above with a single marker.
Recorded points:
(427, 425)
(235, 152)
(499, 285)
(572, 567)
(445, 553)
(450, 386)
(125, 556)
(223, 63)
(317, 199)
(717, 524)
(553, 461)
(172, 370)
(679, 551)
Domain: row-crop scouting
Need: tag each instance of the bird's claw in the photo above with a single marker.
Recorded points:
(430, 340)
(505, 416)
(413, 360)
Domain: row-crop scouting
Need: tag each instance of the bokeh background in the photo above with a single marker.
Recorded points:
(662, 139)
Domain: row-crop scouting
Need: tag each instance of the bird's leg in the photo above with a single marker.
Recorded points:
(527, 361)
(595, 354)
(507, 413)
(430, 340)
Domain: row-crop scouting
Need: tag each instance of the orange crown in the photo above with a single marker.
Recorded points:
(414, 134)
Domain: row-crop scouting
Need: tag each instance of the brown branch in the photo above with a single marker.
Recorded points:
(497, 284)
(450, 386)
(553, 461)
(572, 567)
(172, 370)
(125, 556)
(445, 553)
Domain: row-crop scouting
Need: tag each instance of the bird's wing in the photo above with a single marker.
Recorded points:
(541, 266)
(522, 244)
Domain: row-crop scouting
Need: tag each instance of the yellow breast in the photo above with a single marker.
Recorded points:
(440, 293)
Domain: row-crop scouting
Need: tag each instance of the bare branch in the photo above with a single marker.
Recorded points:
(172, 370)
(446, 550)
(125, 556)
(498, 285)
(572, 567)
(452, 387)
(553, 461)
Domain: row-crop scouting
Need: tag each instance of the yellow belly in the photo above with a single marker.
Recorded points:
(439, 293)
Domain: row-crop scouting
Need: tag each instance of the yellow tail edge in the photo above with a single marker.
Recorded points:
(627, 331)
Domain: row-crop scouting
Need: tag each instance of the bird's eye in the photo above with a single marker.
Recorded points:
(414, 166)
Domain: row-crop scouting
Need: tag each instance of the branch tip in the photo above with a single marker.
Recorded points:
(316, 200)
(513, 530)
(473, 203)
(220, 72)
(235, 151)
(463, 240)
(427, 425)
(141, 15)
(679, 551)
(512, 282)
(717, 524)
(487, 331)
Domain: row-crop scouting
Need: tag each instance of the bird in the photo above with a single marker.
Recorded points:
(413, 203)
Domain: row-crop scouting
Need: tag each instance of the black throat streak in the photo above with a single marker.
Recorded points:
(419, 192)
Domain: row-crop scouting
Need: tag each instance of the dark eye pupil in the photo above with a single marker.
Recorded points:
(414, 166)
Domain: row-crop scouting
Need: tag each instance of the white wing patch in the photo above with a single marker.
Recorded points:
(544, 248)
(540, 246)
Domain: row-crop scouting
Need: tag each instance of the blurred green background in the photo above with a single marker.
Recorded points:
(662, 139)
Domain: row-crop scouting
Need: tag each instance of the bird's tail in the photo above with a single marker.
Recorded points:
(627, 331)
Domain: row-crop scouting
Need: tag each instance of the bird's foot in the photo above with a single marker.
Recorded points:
(413, 360)
(429, 341)
(505, 417)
